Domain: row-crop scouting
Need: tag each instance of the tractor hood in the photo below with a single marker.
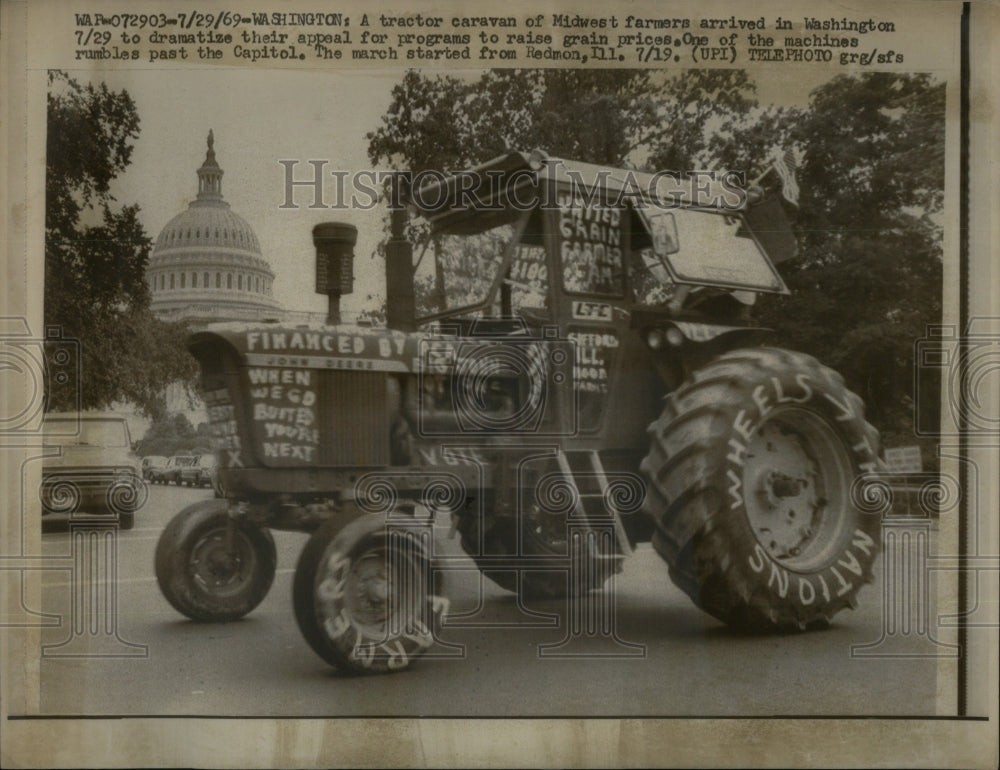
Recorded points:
(311, 396)
(313, 346)
(347, 347)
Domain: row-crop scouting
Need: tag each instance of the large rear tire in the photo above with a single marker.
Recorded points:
(210, 572)
(363, 595)
(749, 476)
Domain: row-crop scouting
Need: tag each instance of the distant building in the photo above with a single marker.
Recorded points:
(206, 264)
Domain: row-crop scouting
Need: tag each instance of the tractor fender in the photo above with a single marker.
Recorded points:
(699, 338)
(722, 335)
(679, 347)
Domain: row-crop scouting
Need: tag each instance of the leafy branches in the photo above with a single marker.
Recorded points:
(96, 254)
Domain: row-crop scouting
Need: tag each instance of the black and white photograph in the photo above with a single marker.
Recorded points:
(435, 386)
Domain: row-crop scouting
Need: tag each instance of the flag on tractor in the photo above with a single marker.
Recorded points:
(784, 165)
(765, 215)
(767, 220)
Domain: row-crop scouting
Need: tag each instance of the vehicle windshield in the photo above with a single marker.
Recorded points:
(85, 432)
(458, 272)
(703, 248)
(651, 281)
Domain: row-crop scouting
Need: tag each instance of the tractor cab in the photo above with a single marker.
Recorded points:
(615, 261)
(499, 233)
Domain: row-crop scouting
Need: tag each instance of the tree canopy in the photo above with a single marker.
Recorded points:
(171, 434)
(869, 280)
(96, 253)
(446, 123)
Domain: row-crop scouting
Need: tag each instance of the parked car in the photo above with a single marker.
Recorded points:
(151, 464)
(161, 473)
(157, 471)
(200, 473)
(94, 472)
(175, 465)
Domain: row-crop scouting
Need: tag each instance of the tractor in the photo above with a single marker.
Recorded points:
(567, 369)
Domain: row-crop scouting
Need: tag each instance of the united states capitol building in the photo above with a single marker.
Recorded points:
(206, 264)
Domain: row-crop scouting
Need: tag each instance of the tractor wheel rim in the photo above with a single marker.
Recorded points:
(796, 475)
(366, 595)
(377, 593)
(219, 569)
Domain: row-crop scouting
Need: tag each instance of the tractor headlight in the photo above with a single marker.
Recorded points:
(674, 336)
(658, 339)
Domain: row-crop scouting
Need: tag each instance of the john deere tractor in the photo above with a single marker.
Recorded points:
(567, 369)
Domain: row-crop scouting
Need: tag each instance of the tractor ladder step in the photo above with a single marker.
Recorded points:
(597, 505)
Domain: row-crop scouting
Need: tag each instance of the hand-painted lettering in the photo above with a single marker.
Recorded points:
(826, 590)
(781, 397)
(863, 541)
(331, 589)
(743, 425)
(314, 341)
(781, 577)
(734, 488)
(845, 407)
(336, 627)
(759, 396)
(845, 585)
(285, 449)
(419, 634)
(440, 605)
(363, 653)
(397, 655)
(850, 562)
(736, 455)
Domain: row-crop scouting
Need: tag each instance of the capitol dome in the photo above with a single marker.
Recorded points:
(207, 264)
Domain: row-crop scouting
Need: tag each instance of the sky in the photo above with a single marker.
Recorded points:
(258, 118)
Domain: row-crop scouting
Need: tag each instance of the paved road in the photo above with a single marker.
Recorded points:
(691, 665)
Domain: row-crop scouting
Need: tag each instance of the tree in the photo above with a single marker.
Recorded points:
(424, 126)
(171, 434)
(697, 109)
(96, 255)
(445, 123)
(601, 116)
(869, 278)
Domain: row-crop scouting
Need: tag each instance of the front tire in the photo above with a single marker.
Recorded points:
(362, 596)
(201, 575)
(749, 475)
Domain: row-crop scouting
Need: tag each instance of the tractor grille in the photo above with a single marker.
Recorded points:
(354, 419)
(319, 418)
